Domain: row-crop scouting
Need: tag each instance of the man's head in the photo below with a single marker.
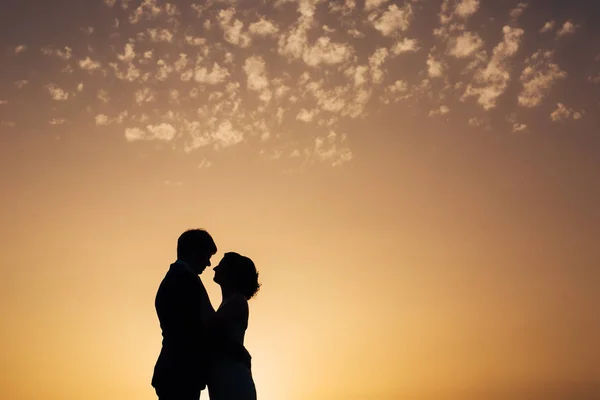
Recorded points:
(196, 247)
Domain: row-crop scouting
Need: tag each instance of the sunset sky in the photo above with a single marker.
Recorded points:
(418, 183)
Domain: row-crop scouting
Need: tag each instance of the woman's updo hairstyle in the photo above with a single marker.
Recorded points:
(242, 274)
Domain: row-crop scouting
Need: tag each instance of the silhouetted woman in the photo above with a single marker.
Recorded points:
(231, 379)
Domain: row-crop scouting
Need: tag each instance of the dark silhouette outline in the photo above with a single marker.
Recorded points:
(183, 307)
(238, 278)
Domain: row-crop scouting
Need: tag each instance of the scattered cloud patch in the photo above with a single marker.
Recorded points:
(394, 20)
(57, 93)
(464, 45)
(518, 127)
(563, 113)
(491, 81)
(233, 28)
(567, 29)
(442, 110)
(435, 67)
(548, 26)
(538, 77)
(404, 46)
(89, 65)
(516, 12)
(164, 131)
(263, 28)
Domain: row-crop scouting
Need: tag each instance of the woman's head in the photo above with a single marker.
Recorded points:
(239, 273)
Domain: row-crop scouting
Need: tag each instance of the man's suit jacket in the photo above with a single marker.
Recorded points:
(182, 306)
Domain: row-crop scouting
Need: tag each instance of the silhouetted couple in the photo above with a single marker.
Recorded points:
(202, 347)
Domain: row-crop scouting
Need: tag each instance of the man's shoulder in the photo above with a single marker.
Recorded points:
(179, 273)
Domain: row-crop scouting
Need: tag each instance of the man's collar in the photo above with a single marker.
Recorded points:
(180, 262)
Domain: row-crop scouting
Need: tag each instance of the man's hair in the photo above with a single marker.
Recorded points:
(194, 240)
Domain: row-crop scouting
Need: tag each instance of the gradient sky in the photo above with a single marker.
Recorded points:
(418, 183)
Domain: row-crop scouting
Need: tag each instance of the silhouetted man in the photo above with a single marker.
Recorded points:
(183, 309)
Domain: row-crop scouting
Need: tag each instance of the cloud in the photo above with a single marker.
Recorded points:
(466, 8)
(263, 28)
(538, 77)
(20, 49)
(373, 4)
(199, 138)
(405, 45)
(356, 106)
(131, 74)
(313, 76)
(57, 93)
(563, 113)
(518, 127)
(399, 86)
(332, 101)
(164, 70)
(103, 96)
(110, 3)
(144, 95)
(226, 135)
(329, 149)
(3, 102)
(435, 67)
(443, 110)
(453, 20)
(148, 9)
(164, 131)
(21, 83)
(491, 81)
(128, 54)
(65, 53)
(133, 134)
(393, 20)
(548, 26)
(376, 60)
(326, 52)
(160, 35)
(255, 70)
(57, 121)
(516, 12)
(181, 62)
(344, 9)
(464, 45)
(195, 41)
(232, 28)
(355, 33)
(306, 116)
(102, 119)
(293, 43)
(567, 29)
(205, 163)
(217, 75)
(89, 65)
(476, 122)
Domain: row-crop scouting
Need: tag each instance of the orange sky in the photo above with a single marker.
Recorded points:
(441, 244)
